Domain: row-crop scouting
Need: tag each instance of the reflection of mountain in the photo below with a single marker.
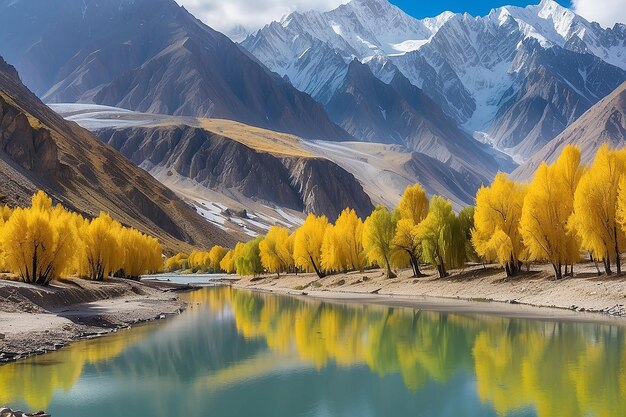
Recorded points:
(237, 353)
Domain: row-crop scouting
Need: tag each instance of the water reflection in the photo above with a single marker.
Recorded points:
(558, 369)
(289, 357)
(33, 381)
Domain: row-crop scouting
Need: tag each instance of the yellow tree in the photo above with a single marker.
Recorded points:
(349, 235)
(227, 264)
(413, 208)
(176, 262)
(442, 237)
(379, 230)
(333, 256)
(142, 253)
(414, 204)
(215, 256)
(101, 250)
(569, 170)
(5, 213)
(596, 206)
(543, 223)
(496, 235)
(198, 260)
(39, 242)
(274, 250)
(408, 241)
(307, 246)
(548, 205)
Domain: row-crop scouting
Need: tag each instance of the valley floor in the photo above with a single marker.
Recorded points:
(35, 319)
(470, 290)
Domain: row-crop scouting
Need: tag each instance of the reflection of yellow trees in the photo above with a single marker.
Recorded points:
(418, 345)
(559, 370)
(35, 380)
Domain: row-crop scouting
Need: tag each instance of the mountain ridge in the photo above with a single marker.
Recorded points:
(605, 122)
(472, 67)
(158, 58)
(40, 150)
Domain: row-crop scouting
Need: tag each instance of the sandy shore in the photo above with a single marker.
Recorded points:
(475, 289)
(35, 320)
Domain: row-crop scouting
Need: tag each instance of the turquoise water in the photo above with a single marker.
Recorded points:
(238, 353)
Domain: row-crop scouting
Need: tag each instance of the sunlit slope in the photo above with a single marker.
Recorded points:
(262, 140)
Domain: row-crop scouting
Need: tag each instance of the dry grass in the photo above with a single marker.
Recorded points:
(256, 138)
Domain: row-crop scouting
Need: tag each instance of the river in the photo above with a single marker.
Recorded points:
(240, 353)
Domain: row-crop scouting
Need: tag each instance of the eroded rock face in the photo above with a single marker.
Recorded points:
(326, 188)
(219, 163)
(31, 147)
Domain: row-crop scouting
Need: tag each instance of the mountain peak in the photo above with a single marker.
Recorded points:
(551, 9)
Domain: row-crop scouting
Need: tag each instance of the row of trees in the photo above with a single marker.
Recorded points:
(45, 241)
(418, 231)
(208, 261)
(567, 210)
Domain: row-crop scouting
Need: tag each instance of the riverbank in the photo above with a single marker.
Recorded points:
(476, 289)
(35, 320)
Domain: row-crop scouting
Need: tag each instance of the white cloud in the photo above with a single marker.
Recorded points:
(605, 12)
(226, 15)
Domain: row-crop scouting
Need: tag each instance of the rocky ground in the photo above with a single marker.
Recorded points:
(36, 320)
(7, 412)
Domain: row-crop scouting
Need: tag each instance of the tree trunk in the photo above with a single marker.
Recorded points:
(513, 267)
(319, 273)
(442, 271)
(34, 270)
(595, 262)
(414, 264)
(390, 273)
(607, 266)
(617, 260)
(558, 274)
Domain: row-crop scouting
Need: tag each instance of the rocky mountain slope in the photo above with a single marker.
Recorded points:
(149, 55)
(603, 123)
(217, 162)
(400, 113)
(514, 78)
(40, 150)
(221, 164)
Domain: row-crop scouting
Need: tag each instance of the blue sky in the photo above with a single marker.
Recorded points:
(421, 8)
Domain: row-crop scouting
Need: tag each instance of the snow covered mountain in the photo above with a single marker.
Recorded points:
(514, 78)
